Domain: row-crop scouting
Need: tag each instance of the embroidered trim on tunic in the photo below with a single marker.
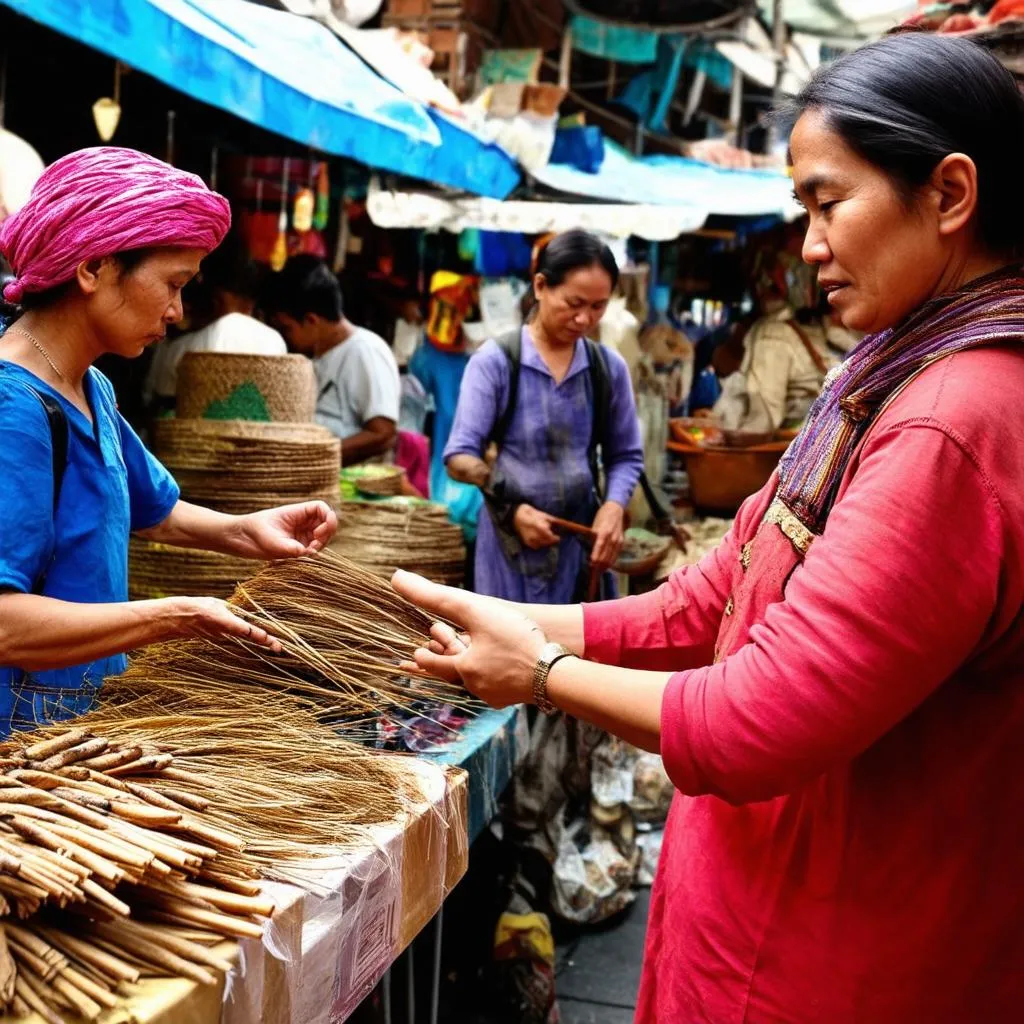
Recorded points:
(745, 553)
(798, 535)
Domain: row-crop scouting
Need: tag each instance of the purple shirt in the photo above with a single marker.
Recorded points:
(544, 460)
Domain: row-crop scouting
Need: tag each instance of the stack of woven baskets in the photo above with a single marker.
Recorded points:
(238, 467)
(244, 440)
(402, 533)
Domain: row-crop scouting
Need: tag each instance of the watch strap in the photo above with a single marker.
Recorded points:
(550, 655)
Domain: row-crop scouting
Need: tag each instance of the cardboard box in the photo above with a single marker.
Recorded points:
(323, 953)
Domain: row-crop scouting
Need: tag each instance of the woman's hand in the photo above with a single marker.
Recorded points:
(495, 655)
(213, 619)
(609, 525)
(534, 528)
(289, 531)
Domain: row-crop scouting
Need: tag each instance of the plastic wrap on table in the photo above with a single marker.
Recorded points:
(425, 726)
(327, 948)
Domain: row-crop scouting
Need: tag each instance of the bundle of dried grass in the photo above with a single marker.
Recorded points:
(159, 570)
(402, 534)
(267, 770)
(345, 634)
(93, 832)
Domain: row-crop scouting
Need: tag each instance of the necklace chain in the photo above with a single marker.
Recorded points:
(42, 351)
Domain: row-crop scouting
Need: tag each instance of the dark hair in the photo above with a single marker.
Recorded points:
(575, 250)
(230, 268)
(305, 285)
(906, 102)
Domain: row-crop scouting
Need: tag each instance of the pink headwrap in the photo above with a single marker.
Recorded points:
(102, 201)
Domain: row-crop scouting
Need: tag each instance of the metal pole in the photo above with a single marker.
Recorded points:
(565, 59)
(386, 993)
(435, 981)
(736, 107)
(779, 45)
(410, 974)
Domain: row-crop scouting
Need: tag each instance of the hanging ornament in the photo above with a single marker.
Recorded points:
(106, 111)
(279, 254)
(302, 216)
(323, 198)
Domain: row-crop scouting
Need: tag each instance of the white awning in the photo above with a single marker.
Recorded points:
(392, 209)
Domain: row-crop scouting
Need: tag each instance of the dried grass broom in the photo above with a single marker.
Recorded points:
(345, 633)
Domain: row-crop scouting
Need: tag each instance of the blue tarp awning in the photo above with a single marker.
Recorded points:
(284, 73)
(676, 181)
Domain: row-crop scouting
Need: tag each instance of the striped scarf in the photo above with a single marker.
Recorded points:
(988, 311)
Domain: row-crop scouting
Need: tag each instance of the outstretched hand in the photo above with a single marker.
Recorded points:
(289, 531)
(495, 654)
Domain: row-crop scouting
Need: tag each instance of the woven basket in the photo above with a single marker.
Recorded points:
(241, 503)
(227, 386)
(159, 570)
(376, 481)
(239, 467)
(402, 534)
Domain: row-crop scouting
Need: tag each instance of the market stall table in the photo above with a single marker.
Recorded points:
(324, 951)
(489, 748)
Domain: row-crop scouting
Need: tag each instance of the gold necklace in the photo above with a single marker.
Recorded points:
(42, 351)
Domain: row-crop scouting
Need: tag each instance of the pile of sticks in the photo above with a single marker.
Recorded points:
(112, 871)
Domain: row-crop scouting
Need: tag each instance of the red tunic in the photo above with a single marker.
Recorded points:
(847, 839)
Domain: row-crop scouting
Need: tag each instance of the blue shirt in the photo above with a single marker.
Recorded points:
(111, 487)
(440, 373)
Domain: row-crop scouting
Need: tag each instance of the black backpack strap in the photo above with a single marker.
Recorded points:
(512, 345)
(600, 397)
(58, 423)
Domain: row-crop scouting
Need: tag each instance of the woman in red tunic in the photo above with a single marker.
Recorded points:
(838, 690)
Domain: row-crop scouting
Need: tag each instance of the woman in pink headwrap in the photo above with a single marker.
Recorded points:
(101, 253)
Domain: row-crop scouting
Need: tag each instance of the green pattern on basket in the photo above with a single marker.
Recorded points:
(246, 402)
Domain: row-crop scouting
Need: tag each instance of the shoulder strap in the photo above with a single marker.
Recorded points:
(816, 357)
(600, 397)
(58, 423)
(601, 392)
(512, 345)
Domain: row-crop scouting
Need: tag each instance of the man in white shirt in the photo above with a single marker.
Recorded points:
(357, 375)
(223, 304)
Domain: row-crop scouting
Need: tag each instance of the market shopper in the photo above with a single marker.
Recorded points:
(222, 319)
(101, 252)
(780, 360)
(357, 375)
(536, 397)
(838, 690)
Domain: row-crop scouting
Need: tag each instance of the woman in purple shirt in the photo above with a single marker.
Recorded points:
(544, 466)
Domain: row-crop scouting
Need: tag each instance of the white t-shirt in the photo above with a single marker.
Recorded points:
(357, 381)
(236, 332)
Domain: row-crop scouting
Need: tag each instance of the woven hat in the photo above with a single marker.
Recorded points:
(230, 386)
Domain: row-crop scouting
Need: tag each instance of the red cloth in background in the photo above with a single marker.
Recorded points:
(412, 453)
(846, 841)
(1006, 9)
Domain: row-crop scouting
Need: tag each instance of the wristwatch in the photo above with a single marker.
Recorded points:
(550, 655)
